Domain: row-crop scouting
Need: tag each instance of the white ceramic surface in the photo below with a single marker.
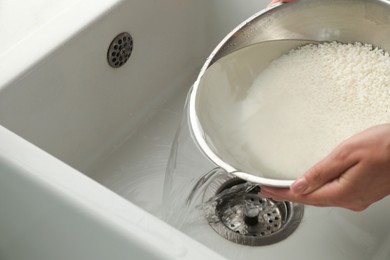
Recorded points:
(70, 123)
(59, 97)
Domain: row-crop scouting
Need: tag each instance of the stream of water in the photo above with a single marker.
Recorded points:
(188, 173)
(187, 176)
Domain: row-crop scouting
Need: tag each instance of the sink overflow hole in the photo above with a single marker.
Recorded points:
(120, 50)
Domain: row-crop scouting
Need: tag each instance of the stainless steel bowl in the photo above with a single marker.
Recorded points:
(347, 21)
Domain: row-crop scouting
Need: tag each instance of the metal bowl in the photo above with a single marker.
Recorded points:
(232, 66)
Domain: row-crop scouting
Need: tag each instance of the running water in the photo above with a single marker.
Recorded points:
(229, 195)
(187, 176)
(188, 173)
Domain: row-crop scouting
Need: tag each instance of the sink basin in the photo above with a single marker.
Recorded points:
(85, 146)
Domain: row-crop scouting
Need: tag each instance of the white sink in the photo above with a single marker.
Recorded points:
(84, 146)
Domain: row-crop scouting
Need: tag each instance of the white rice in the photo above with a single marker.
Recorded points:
(309, 100)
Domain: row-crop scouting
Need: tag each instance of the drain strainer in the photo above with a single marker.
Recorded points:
(238, 213)
(120, 50)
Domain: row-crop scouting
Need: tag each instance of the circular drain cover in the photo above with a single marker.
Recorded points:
(120, 50)
(238, 213)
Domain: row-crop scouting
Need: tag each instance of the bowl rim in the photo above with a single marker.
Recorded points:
(195, 126)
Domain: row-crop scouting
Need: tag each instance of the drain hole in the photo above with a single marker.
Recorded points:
(120, 49)
(246, 218)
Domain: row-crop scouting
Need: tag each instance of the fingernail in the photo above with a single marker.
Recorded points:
(300, 185)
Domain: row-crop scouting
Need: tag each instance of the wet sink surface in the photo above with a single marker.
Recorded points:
(136, 171)
(65, 121)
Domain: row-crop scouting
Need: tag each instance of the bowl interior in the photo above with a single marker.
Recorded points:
(223, 107)
(218, 94)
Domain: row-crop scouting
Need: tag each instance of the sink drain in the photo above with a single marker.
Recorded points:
(235, 211)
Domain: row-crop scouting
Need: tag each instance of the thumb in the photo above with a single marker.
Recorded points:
(324, 171)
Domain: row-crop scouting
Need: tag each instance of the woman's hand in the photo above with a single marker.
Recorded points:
(353, 176)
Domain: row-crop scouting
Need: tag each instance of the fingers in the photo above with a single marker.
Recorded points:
(341, 192)
(321, 185)
(279, 194)
(325, 196)
(353, 176)
(331, 167)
